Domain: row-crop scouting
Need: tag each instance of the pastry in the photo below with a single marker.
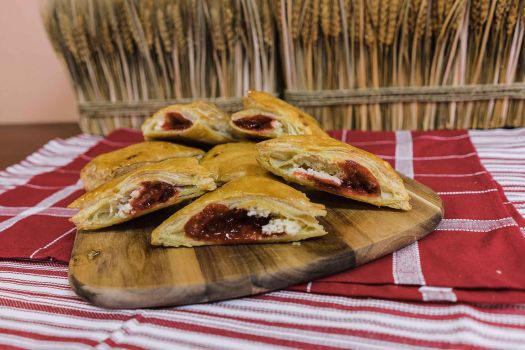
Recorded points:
(110, 165)
(252, 209)
(142, 191)
(329, 165)
(199, 121)
(230, 161)
(265, 116)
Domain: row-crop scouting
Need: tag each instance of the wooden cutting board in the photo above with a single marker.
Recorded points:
(118, 268)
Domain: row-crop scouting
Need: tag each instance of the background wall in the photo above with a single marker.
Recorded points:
(34, 87)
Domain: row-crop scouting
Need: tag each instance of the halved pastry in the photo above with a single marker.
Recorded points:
(142, 191)
(198, 121)
(266, 116)
(336, 167)
(230, 161)
(110, 165)
(251, 209)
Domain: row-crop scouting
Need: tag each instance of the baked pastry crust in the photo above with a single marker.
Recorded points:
(255, 207)
(231, 161)
(200, 122)
(142, 191)
(113, 164)
(265, 116)
(332, 166)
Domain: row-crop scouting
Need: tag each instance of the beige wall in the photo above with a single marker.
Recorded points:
(34, 87)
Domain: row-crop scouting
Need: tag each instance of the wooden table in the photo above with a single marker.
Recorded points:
(19, 141)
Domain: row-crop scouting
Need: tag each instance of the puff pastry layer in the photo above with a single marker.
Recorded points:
(251, 209)
(199, 121)
(265, 116)
(332, 166)
(230, 161)
(110, 165)
(142, 191)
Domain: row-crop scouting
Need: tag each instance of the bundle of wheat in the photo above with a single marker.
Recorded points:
(127, 58)
(413, 64)
(368, 65)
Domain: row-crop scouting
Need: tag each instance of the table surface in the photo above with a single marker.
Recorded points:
(37, 307)
(19, 141)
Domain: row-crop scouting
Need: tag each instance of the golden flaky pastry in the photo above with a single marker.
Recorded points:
(336, 167)
(110, 165)
(251, 209)
(266, 116)
(231, 161)
(198, 121)
(144, 190)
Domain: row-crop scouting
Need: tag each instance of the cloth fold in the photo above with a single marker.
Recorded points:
(474, 255)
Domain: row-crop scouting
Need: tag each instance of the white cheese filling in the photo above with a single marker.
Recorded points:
(124, 210)
(281, 225)
(318, 174)
(258, 212)
(124, 207)
(275, 225)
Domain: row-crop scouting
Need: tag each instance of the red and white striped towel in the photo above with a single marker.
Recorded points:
(38, 310)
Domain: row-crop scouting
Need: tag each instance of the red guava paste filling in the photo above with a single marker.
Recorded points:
(218, 223)
(257, 122)
(175, 121)
(151, 193)
(357, 180)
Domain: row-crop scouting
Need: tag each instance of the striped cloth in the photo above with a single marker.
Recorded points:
(39, 311)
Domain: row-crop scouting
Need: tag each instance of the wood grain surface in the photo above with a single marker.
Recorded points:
(118, 268)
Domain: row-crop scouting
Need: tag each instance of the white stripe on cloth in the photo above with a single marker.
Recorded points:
(45, 203)
(475, 225)
(159, 337)
(451, 175)
(404, 153)
(467, 192)
(508, 155)
(309, 287)
(452, 156)
(421, 137)
(52, 211)
(344, 137)
(57, 281)
(37, 288)
(52, 242)
(437, 294)
(441, 138)
(406, 266)
(40, 344)
(39, 327)
(406, 263)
